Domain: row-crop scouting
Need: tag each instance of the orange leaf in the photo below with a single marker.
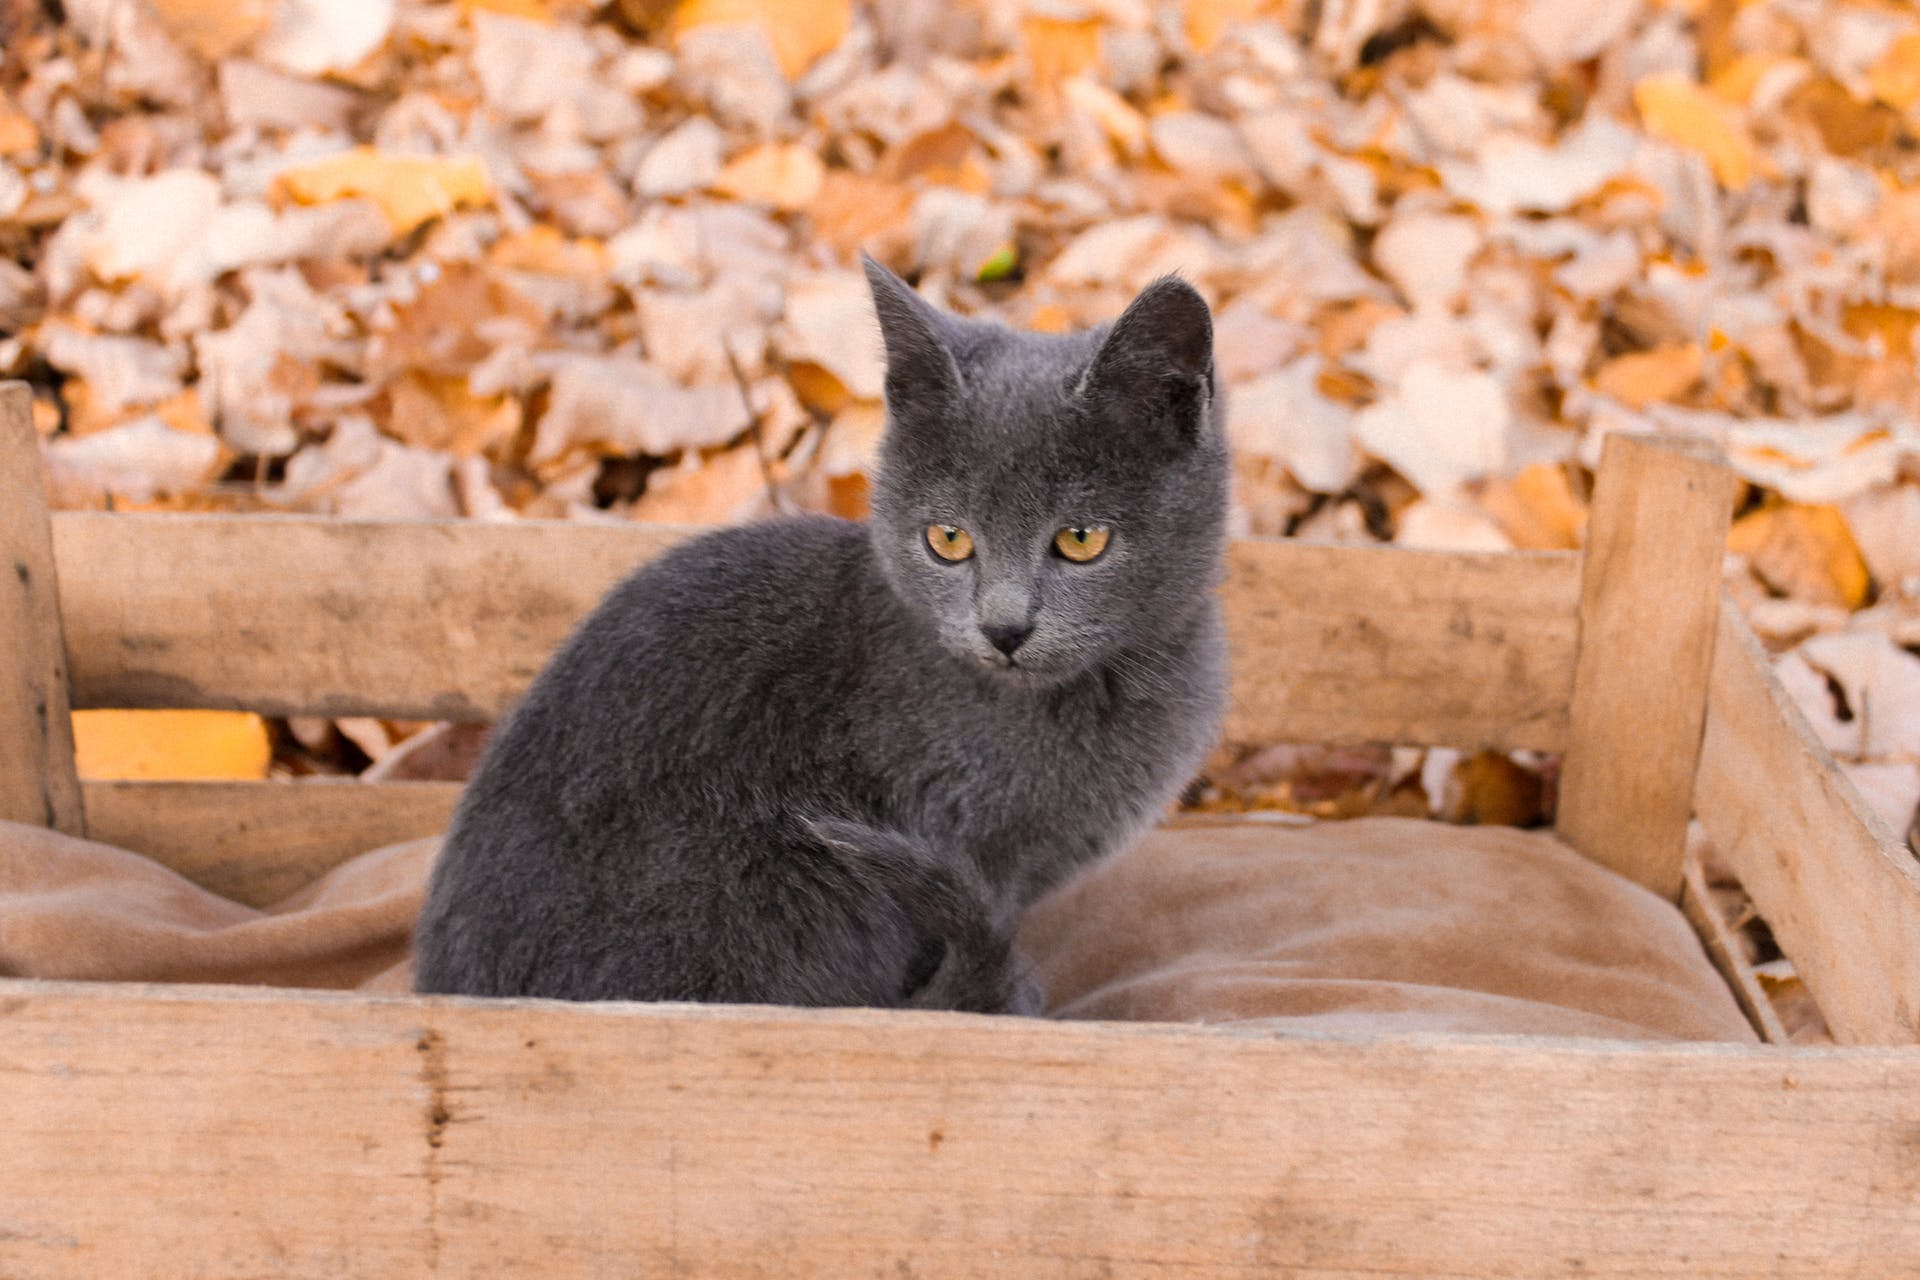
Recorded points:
(410, 190)
(18, 133)
(1738, 80)
(442, 413)
(540, 11)
(798, 31)
(1847, 126)
(214, 29)
(1537, 508)
(1059, 49)
(1803, 551)
(435, 332)
(1208, 20)
(784, 176)
(170, 744)
(858, 210)
(1895, 79)
(1645, 377)
(1677, 109)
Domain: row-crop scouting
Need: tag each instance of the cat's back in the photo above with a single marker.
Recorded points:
(717, 652)
(756, 581)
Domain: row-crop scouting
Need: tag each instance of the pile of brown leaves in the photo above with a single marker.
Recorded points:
(499, 258)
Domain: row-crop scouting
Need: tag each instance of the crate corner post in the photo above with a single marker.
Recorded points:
(1649, 610)
(38, 783)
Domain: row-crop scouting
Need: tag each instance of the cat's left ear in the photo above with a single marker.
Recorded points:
(1157, 359)
(920, 367)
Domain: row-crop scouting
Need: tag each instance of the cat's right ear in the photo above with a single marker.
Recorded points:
(1156, 362)
(920, 368)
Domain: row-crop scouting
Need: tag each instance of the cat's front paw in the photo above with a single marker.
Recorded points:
(1025, 999)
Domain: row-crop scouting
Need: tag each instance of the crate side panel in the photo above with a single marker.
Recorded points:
(1840, 891)
(446, 620)
(258, 842)
(343, 1135)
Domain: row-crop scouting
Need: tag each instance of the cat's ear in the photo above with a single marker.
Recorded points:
(1157, 359)
(920, 367)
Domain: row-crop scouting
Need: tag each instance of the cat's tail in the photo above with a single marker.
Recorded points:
(981, 972)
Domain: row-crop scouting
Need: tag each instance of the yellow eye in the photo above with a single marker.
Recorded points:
(949, 543)
(1082, 544)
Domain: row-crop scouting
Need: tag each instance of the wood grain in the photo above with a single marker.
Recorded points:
(240, 1133)
(288, 615)
(1723, 948)
(37, 779)
(1375, 644)
(1649, 604)
(450, 621)
(1840, 891)
(258, 842)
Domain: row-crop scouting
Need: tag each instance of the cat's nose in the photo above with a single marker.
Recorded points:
(1007, 636)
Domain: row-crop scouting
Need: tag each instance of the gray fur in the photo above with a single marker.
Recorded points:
(785, 764)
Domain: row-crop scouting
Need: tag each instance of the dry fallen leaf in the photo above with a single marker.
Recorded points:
(829, 324)
(799, 31)
(140, 460)
(442, 413)
(1678, 109)
(169, 745)
(312, 37)
(1443, 428)
(784, 176)
(1881, 684)
(1645, 377)
(1885, 524)
(214, 28)
(1538, 508)
(1490, 788)
(1802, 551)
(452, 323)
(409, 189)
(1426, 256)
(1284, 416)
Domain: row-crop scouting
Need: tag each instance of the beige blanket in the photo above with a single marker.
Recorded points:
(1383, 924)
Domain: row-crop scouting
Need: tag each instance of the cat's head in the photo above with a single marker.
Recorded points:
(1044, 500)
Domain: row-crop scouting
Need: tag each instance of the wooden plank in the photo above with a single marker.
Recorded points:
(289, 615)
(1648, 609)
(1838, 888)
(450, 621)
(37, 779)
(1696, 900)
(237, 1132)
(258, 842)
(1375, 644)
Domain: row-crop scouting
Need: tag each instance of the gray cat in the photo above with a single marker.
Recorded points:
(815, 762)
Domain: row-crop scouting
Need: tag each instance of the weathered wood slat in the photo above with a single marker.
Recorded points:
(1649, 606)
(258, 842)
(1723, 948)
(1370, 644)
(240, 1133)
(1838, 888)
(289, 615)
(37, 780)
(450, 621)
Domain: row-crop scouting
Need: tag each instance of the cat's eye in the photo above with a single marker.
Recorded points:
(949, 543)
(1082, 542)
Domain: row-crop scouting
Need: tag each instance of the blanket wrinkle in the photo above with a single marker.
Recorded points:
(1378, 925)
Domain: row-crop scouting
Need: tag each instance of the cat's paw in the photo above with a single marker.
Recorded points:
(1025, 999)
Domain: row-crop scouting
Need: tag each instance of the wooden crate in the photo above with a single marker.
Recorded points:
(200, 1131)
